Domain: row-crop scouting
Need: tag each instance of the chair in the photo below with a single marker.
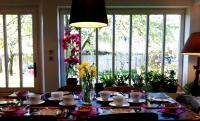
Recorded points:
(28, 118)
(124, 89)
(71, 88)
(126, 117)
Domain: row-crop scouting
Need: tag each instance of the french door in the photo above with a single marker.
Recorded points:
(18, 69)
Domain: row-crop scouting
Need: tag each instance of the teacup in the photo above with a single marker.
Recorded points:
(57, 95)
(135, 96)
(34, 99)
(68, 99)
(104, 95)
(118, 100)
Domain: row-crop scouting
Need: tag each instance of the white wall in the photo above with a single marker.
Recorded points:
(49, 36)
(194, 26)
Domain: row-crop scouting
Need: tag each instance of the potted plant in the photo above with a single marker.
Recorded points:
(138, 81)
(172, 83)
(71, 44)
(158, 82)
(121, 78)
(107, 78)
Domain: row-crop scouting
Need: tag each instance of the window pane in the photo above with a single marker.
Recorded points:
(88, 38)
(173, 23)
(138, 42)
(27, 50)
(13, 49)
(122, 38)
(155, 42)
(105, 46)
(2, 55)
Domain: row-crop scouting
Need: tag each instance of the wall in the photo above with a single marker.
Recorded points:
(49, 37)
(194, 26)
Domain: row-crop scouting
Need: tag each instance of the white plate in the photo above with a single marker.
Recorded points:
(29, 103)
(62, 103)
(114, 105)
(140, 101)
(55, 99)
(100, 99)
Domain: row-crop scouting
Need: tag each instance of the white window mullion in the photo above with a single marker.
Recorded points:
(20, 50)
(163, 44)
(97, 51)
(147, 44)
(130, 48)
(5, 49)
(113, 46)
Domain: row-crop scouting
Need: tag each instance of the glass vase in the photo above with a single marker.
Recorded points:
(87, 91)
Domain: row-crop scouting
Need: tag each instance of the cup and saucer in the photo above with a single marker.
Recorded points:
(104, 96)
(56, 96)
(67, 100)
(119, 101)
(136, 97)
(34, 100)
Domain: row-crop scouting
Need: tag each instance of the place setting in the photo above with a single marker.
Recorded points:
(33, 100)
(119, 101)
(67, 100)
(105, 96)
(56, 96)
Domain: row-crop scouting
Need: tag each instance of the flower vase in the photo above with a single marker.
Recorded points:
(87, 91)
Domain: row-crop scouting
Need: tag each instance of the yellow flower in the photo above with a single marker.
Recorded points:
(79, 67)
(81, 73)
(93, 71)
(85, 64)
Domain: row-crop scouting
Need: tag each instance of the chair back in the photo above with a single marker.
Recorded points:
(71, 88)
(126, 117)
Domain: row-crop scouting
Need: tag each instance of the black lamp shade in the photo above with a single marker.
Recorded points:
(192, 46)
(88, 14)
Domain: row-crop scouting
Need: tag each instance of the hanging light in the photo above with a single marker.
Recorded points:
(88, 14)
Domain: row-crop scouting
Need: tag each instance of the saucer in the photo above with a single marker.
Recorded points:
(54, 99)
(124, 104)
(140, 101)
(29, 103)
(62, 104)
(100, 99)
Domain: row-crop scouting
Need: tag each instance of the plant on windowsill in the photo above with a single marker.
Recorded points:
(122, 78)
(71, 45)
(172, 83)
(107, 78)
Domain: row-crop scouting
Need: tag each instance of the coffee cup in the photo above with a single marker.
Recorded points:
(68, 99)
(118, 100)
(34, 99)
(57, 95)
(104, 95)
(135, 96)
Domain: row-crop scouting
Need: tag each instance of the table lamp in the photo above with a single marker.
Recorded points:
(88, 14)
(192, 47)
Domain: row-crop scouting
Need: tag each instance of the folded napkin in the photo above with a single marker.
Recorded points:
(178, 111)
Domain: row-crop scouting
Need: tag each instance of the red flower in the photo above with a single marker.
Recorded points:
(67, 60)
(73, 50)
(75, 60)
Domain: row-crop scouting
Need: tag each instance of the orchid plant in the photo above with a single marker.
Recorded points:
(71, 43)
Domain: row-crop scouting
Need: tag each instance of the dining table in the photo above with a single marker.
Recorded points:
(150, 102)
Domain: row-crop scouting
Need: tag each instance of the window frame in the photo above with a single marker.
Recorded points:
(137, 11)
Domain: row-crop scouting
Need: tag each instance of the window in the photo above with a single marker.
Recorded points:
(134, 41)
(17, 50)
